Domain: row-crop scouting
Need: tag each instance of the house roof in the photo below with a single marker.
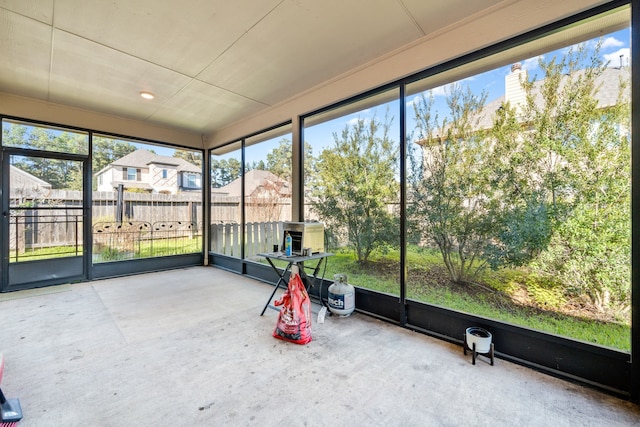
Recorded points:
(254, 179)
(142, 158)
(20, 178)
(607, 85)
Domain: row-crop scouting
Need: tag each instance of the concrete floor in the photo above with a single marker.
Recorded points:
(188, 348)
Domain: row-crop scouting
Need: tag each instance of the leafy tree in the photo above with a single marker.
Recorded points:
(14, 134)
(224, 171)
(355, 182)
(61, 174)
(255, 165)
(192, 157)
(522, 227)
(279, 160)
(584, 168)
(107, 151)
(449, 203)
(547, 185)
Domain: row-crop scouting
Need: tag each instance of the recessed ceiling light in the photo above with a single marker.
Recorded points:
(147, 95)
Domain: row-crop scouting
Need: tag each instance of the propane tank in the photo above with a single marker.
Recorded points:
(342, 296)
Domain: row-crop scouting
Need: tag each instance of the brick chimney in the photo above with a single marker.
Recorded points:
(513, 91)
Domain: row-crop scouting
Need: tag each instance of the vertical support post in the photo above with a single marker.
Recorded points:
(635, 202)
(206, 204)
(403, 208)
(119, 203)
(297, 170)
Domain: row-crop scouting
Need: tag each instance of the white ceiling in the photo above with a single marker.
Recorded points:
(209, 63)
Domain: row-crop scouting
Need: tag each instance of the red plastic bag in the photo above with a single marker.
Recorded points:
(294, 320)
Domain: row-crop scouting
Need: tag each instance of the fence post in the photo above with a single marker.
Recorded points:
(249, 241)
(257, 238)
(227, 239)
(263, 243)
(219, 238)
(236, 240)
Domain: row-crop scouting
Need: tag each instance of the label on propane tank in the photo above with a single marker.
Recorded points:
(341, 301)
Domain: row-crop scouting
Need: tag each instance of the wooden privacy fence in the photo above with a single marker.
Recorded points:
(259, 237)
(138, 206)
(149, 207)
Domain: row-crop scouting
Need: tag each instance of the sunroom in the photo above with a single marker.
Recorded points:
(472, 163)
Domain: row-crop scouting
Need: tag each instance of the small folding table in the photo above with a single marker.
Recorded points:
(299, 260)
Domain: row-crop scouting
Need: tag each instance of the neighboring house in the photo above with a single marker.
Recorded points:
(26, 186)
(146, 171)
(257, 184)
(607, 84)
(267, 197)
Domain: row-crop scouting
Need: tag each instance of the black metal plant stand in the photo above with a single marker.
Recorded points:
(475, 354)
(291, 261)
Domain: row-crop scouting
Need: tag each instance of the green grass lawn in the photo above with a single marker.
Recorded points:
(45, 253)
(493, 301)
(145, 249)
(152, 248)
(170, 247)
